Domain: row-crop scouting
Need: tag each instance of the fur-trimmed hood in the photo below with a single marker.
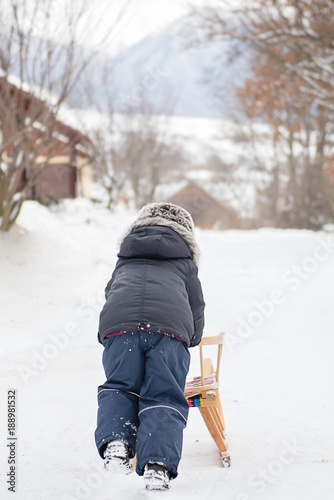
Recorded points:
(168, 215)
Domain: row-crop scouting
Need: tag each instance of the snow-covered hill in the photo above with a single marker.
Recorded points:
(270, 290)
(159, 70)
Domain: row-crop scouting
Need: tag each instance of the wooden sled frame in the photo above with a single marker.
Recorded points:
(207, 391)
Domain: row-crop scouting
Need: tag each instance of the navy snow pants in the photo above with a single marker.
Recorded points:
(142, 401)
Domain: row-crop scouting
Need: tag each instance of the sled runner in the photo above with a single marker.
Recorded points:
(203, 392)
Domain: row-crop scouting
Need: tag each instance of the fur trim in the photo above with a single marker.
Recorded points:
(168, 211)
(168, 215)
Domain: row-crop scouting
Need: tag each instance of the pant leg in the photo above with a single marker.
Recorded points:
(118, 397)
(163, 409)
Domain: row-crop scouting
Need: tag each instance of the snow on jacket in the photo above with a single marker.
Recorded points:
(155, 286)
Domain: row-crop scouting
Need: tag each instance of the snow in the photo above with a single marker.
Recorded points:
(270, 290)
(200, 138)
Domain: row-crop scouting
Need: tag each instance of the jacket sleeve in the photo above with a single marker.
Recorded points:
(197, 304)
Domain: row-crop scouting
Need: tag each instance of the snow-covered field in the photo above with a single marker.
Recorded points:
(270, 290)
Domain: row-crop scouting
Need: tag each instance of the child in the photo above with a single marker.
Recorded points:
(154, 311)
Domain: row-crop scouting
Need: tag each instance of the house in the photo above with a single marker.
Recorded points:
(207, 212)
(66, 151)
(69, 172)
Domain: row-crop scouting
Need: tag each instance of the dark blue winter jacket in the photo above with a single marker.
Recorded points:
(154, 287)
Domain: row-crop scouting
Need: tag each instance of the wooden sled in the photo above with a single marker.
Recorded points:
(203, 392)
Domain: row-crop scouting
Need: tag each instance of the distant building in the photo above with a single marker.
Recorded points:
(207, 212)
(68, 151)
(69, 173)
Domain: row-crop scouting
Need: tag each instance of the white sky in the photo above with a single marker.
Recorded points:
(141, 18)
(145, 17)
(149, 15)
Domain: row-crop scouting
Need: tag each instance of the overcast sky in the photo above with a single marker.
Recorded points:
(148, 16)
(139, 19)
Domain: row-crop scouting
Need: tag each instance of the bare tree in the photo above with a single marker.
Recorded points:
(150, 159)
(135, 151)
(108, 161)
(291, 88)
(42, 58)
(266, 26)
(135, 154)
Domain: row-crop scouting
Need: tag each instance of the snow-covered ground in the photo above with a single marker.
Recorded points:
(270, 290)
(200, 139)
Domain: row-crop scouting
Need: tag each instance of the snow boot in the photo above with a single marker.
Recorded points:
(156, 476)
(116, 458)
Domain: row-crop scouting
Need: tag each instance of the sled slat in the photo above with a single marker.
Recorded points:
(203, 392)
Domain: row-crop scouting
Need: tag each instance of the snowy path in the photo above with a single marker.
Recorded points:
(277, 368)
